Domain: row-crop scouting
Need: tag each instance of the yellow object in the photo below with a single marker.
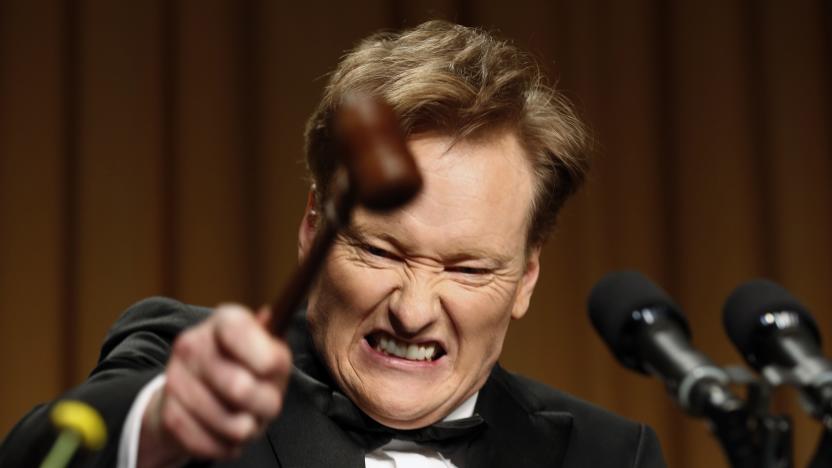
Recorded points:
(83, 419)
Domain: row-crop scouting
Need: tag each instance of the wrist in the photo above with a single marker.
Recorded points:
(157, 449)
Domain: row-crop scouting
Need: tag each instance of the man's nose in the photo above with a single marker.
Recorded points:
(414, 307)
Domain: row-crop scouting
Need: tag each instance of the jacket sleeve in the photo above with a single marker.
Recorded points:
(135, 350)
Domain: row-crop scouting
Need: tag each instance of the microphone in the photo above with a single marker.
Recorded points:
(778, 336)
(647, 332)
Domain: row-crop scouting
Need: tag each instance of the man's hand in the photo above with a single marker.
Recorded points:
(225, 381)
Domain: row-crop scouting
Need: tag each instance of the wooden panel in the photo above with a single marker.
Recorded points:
(211, 225)
(633, 230)
(409, 14)
(715, 196)
(31, 185)
(798, 145)
(119, 164)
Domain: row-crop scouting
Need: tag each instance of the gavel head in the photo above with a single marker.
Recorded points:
(382, 172)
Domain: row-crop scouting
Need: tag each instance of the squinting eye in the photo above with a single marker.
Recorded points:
(467, 270)
(377, 252)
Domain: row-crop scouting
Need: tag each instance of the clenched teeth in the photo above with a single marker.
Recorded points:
(411, 352)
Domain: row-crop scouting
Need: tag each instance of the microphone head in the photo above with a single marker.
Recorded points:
(745, 310)
(613, 303)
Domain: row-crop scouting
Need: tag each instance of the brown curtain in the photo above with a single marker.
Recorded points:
(155, 148)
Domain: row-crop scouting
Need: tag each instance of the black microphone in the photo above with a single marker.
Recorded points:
(647, 332)
(775, 333)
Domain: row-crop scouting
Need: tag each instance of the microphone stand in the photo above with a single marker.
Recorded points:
(750, 436)
(823, 454)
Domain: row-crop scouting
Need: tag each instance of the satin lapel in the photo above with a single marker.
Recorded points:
(302, 436)
(517, 434)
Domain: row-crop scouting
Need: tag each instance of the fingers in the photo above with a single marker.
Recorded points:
(191, 435)
(233, 426)
(241, 335)
(242, 390)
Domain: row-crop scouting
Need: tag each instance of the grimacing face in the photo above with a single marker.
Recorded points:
(411, 308)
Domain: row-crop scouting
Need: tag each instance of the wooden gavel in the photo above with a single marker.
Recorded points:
(377, 170)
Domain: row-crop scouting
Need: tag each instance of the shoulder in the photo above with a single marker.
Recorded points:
(538, 397)
(592, 426)
(148, 328)
(160, 313)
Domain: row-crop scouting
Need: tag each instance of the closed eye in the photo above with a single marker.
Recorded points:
(378, 252)
(468, 270)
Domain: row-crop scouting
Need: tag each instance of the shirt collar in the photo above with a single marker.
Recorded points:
(465, 410)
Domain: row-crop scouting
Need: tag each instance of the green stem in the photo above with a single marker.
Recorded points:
(63, 450)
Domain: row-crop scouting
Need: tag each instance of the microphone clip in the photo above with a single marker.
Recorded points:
(750, 435)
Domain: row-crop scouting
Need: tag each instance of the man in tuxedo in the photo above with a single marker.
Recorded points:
(395, 362)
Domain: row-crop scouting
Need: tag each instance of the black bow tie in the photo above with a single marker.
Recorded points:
(372, 435)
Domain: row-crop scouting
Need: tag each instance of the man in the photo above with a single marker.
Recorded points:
(396, 365)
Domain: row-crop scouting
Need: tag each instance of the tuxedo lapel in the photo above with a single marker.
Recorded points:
(518, 434)
(305, 437)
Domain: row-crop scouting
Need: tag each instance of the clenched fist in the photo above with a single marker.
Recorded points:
(225, 381)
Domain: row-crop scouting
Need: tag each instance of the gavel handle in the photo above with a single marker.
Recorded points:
(377, 168)
(336, 215)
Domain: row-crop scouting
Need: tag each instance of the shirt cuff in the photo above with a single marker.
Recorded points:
(128, 445)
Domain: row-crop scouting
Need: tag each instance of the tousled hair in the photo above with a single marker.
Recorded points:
(460, 81)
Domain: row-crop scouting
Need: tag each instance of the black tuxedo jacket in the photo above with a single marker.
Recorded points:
(527, 424)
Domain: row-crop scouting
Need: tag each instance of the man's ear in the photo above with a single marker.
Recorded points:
(527, 284)
(308, 225)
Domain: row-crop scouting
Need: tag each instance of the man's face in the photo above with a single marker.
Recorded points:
(411, 307)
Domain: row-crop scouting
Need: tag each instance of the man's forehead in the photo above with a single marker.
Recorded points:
(501, 142)
(475, 201)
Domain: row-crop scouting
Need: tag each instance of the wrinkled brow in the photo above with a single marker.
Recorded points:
(363, 233)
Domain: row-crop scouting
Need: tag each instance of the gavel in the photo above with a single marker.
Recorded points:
(377, 170)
